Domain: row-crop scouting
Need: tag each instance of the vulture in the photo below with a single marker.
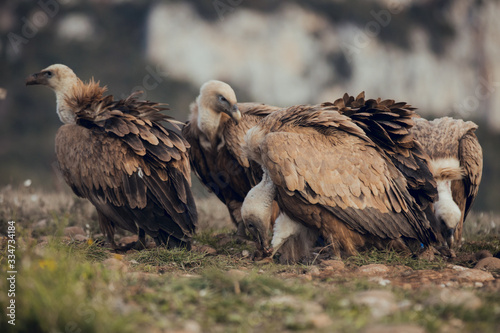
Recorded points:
(456, 160)
(215, 131)
(349, 171)
(119, 156)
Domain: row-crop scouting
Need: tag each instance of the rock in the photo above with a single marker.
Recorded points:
(73, 231)
(380, 302)
(488, 263)
(245, 253)
(394, 328)
(455, 297)
(373, 269)
(380, 280)
(236, 274)
(452, 325)
(266, 260)
(207, 250)
(483, 254)
(115, 264)
(80, 238)
(40, 224)
(475, 275)
(192, 326)
(128, 240)
(333, 265)
(458, 268)
(314, 270)
(320, 320)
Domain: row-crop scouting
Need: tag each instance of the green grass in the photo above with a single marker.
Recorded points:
(391, 257)
(64, 286)
(69, 286)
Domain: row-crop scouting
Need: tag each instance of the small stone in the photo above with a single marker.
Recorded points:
(80, 238)
(333, 265)
(73, 231)
(455, 297)
(395, 328)
(373, 269)
(459, 268)
(207, 250)
(236, 274)
(266, 260)
(475, 275)
(488, 263)
(452, 325)
(381, 281)
(483, 254)
(314, 270)
(128, 240)
(40, 224)
(192, 326)
(245, 253)
(380, 302)
(320, 320)
(115, 264)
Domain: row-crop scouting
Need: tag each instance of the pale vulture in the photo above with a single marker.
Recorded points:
(457, 164)
(215, 130)
(119, 156)
(348, 171)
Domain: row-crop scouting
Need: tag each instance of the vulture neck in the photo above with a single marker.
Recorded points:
(64, 111)
(209, 122)
(258, 203)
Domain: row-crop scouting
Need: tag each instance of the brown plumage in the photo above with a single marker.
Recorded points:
(119, 156)
(457, 163)
(215, 131)
(349, 171)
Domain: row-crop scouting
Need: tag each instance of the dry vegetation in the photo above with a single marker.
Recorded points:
(69, 285)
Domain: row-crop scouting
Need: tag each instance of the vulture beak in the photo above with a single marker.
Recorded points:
(234, 113)
(34, 79)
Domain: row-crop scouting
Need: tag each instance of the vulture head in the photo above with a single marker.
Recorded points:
(257, 210)
(216, 104)
(62, 80)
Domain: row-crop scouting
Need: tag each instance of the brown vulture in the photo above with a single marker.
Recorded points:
(457, 164)
(119, 156)
(349, 171)
(215, 130)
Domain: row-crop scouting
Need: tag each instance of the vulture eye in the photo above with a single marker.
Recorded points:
(48, 74)
(222, 99)
(251, 226)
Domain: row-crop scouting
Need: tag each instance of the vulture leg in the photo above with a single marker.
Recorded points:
(139, 245)
(107, 228)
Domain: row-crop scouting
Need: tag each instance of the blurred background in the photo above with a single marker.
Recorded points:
(442, 56)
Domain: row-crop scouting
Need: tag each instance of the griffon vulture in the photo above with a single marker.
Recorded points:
(349, 171)
(457, 163)
(215, 131)
(119, 156)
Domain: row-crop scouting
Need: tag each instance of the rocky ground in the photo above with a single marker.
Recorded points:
(68, 281)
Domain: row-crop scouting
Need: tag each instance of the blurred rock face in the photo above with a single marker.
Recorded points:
(295, 56)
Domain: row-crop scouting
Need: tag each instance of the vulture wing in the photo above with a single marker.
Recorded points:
(471, 159)
(324, 159)
(134, 170)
